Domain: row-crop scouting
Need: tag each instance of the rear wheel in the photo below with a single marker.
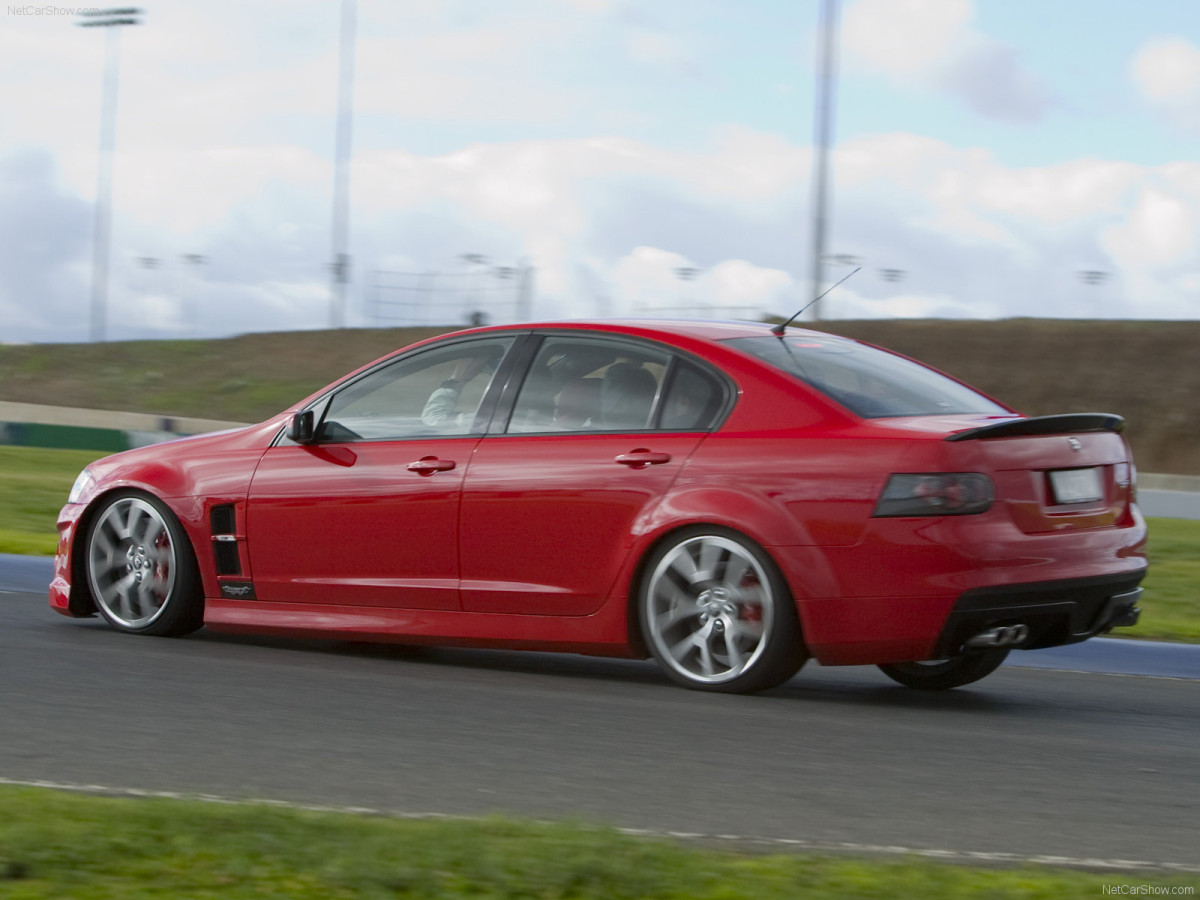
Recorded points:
(939, 675)
(717, 615)
(141, 569)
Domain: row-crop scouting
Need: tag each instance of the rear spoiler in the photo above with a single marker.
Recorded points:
(1073, 423)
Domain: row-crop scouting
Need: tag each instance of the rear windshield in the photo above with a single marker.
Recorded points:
(870, 383)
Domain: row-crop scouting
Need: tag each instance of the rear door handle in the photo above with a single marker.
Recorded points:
(641, 457)
(427, 465)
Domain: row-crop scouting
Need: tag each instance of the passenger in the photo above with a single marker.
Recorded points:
(577, 404)
(626, 396)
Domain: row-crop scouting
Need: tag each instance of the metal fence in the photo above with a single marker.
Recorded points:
(476, 296)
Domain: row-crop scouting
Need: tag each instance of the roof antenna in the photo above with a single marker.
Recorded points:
(779, 329)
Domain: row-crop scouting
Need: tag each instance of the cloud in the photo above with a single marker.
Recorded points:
(482, 73)
(1161, 231)
(44, 238)
(905, 38)
(608, 223)
(931, 43)
(1167, 69)
(593, 6)
(1167, 73)
(653, 281)
(661, 49)
(988, 77)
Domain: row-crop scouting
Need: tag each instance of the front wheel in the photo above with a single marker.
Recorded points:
(717, 615)
(141, 568)
(939, 675)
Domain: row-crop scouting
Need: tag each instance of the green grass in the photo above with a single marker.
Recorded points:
(56, 844)
(34, 484)
(1171, 608)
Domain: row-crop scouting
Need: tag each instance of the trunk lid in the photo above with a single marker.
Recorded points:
(1058, 473)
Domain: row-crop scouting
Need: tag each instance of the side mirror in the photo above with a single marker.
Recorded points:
(302, 428)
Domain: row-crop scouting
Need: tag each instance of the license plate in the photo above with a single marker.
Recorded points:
(1077, 485)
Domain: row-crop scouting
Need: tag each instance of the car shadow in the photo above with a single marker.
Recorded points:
(861, 685)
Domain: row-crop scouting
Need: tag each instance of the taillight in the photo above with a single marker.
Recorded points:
(935, 494)
(1123, 475)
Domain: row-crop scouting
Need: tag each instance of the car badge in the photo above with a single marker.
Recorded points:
(1074, 443)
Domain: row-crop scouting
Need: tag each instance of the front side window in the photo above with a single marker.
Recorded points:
(581, 384)
(871, 383)
(435, 392)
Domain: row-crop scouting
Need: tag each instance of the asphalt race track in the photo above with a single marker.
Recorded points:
(1028, 762)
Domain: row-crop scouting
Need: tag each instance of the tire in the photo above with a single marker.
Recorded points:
(717, 615)
(141, 569)
(944, 674)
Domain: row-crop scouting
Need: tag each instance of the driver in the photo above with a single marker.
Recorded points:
(441, 409)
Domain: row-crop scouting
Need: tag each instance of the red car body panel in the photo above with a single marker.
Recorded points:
(312, 543)
(537, 541)
(522, 518)
(191, 475)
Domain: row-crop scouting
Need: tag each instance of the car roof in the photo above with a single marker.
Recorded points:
(702, 329)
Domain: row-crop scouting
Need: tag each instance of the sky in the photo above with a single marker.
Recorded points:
(617, 157)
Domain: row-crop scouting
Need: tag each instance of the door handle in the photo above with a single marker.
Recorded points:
(427, 465)
(641, 457)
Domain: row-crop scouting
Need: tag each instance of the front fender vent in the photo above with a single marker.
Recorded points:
(223, 520)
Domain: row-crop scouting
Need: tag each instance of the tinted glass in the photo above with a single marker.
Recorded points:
(583, 384)
(693, 400)
(870, 383)
(436, 392)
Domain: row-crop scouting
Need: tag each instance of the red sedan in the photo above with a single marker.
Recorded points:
(728, 500)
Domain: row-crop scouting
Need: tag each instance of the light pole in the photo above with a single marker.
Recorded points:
(192, 308)
(823, 131)
(686, 274)
(101, 234)
(525, 291)
(474, 265)
(341, 167)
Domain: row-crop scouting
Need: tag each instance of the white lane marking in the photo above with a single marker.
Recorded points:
(809, 846)
(1029, 668)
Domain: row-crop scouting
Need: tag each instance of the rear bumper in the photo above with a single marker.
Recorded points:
(1055, 612)
(913, 590)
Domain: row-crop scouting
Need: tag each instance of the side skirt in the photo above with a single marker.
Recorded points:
(601, 634)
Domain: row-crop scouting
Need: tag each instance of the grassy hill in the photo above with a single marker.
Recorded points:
(1145, 371)
(1148, 372)
(244, 379)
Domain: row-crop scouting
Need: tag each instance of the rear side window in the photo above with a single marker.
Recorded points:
(693, 401)
(869, 382)
(589, 384)
(582, 384)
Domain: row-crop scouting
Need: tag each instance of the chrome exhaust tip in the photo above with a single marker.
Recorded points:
(1004, 636)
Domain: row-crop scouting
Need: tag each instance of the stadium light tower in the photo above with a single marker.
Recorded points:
(101, 235)
(341, 166)
(823, 133)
